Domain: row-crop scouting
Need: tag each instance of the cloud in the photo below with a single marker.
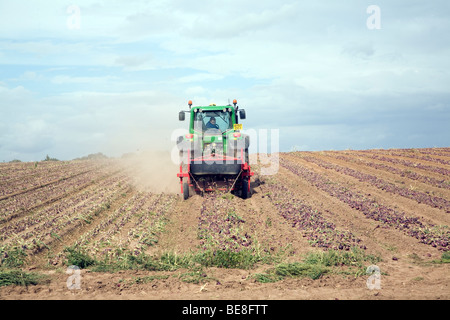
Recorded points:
(311, 69)
(133, 61)
(64, 79)
(232, 23)
(70, 125)
(359, 50)
(200, 77)
(29, 137)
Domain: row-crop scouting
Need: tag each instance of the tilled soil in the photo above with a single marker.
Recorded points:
(409, 268)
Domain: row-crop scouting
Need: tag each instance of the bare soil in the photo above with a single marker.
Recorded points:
(408, 267)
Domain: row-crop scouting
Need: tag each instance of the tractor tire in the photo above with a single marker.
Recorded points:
(185, 190)
(245, 189)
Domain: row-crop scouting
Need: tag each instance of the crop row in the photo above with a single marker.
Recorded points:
(17, 181)
(403, 162)
(41, 227)
(17, 205)
(220, 226)
(412, 155)
(150, 223)
(22, 169)
(438, 237)
(420, 197)
(439, 183)
(311, 222)
(131, 228)
(444, 152)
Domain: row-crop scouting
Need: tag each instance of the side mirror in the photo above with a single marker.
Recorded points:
(242, 114)
(181, 116)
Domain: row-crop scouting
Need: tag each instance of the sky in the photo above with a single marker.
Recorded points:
(91, 76)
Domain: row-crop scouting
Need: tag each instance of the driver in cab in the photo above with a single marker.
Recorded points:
(212, 124)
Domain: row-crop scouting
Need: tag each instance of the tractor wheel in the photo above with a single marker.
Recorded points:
(185, 190)
(245, 191)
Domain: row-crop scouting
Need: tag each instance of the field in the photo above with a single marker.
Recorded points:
(367, 224)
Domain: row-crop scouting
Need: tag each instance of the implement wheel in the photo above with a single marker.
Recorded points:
(185, 190)
(245, 192)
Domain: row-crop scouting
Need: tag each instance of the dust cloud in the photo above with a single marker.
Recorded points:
(152, 171)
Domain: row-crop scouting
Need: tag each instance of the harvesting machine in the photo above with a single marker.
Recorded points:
(214, 154)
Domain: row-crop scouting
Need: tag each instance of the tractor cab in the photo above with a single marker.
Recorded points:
(219, 120)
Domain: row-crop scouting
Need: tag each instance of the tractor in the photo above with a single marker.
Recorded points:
(214, 154)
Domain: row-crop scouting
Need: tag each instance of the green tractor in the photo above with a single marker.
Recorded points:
(214, 154)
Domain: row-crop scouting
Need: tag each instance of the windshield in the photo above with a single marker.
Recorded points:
(213, 120)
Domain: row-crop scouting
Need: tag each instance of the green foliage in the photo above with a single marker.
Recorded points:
(297, 269)
(445, 257)
(171, 261)
(18, 277)
(47, 158)
(12, 257)
(77, 257)
(292, 270)
(195, 276)
(267, 277)
(243, 259)
(126, 260)
(123, 259)
(315, 264)
(318, 263)
(227, 196)
(353, 257)
(93, 156)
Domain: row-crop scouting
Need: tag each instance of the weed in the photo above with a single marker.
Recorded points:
(18, 277)
(55, 235)
(316, 264)
(297, 269)
(266, 277)
(12, 257)
(353, 257)
(445, 258)
(232, 215)
(171, 261)
(292, 270)
(228, 258)
(78, 258)
(195, 276)
(227, 196)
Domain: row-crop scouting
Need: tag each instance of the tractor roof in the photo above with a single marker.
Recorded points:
(213, 107)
